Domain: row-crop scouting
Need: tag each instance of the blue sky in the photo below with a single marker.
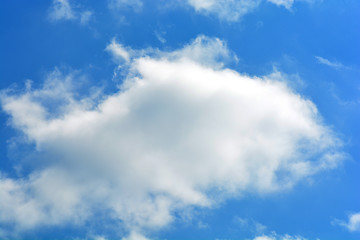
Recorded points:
(170, 119)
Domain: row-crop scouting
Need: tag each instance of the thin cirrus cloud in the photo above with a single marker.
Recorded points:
(225, 10)
(62, 10)
(230, 10)
(285, 3)
(333, 64)
(124, 4)
(249, 225)
(275, 236)
(182, 131)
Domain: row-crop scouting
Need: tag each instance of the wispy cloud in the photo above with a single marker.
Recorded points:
(135, 236)
(118, 51)
(62, 10)
(136, 5)
(230, 10)
(227, 9)
(160, 36)
(285, 3)
(249, 225)
(352, 224)
(85, 17)
(333, 64)
(275, 236)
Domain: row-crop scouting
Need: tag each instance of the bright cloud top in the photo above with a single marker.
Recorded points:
(182, 131)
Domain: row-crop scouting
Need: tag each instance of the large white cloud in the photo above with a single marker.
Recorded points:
(182, 131)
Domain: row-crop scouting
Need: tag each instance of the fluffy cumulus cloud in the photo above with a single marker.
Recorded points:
(62, 10)
(182, 131)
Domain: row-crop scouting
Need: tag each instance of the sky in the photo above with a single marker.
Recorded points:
(180, 119)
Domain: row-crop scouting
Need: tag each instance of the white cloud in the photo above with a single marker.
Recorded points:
(333, 64)
(207, 51)
(228, 10)
(353, 224)
(135, 236)
(286, 3)
(275, 236)
(234, 10)
(264, 237)
(160, 36)
(182, 131)
(85, 17)
(63, 10)
(46, 198)
(118, 51)
(249, 225)
(99, 238)
(211, 52)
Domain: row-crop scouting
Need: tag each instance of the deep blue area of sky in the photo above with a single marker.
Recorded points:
(32, 46)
